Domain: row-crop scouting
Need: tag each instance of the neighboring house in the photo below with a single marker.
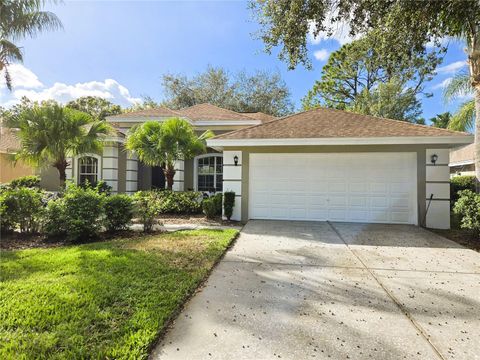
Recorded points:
(462, 160)
(121, 170)
(332, 165)
(9, 170)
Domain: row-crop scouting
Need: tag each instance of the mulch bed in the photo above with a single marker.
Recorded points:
(462, 237)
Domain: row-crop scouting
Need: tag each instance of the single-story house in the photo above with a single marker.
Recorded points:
(321, 164)
(334, 165)
(121, 170)
(462, 160)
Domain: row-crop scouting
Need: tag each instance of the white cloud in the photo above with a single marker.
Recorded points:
(21, 77)
(340, 33)
(26, 83)
(443, 84)
(451, 68)
(321, 54)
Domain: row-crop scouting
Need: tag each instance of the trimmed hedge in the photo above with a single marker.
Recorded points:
(147, 207)
(228, 203)
(30, 181)
(118, 212)
(468, 208)
(179, 202)
(21, 208)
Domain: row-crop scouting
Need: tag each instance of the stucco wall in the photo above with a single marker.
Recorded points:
(420, 150)
(9, 171)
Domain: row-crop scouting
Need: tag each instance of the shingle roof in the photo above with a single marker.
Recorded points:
(330, 123)
(148, 113)
(8, 141)
(261, 116)
(206, 111)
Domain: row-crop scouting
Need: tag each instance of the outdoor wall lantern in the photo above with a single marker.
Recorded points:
(434, 158)
(235, 160)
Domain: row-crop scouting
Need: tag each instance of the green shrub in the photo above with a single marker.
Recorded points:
(118, 212)
(100, 187)
(209, 207)
(468, 207)
(30, 181)
(21, 208)
(217, 200)
(147, 206)
(459, 183)
(179, 202)
(78, 214)
(228, 203)
(55, 224)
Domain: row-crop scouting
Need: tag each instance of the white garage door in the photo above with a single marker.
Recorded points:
(356, 187)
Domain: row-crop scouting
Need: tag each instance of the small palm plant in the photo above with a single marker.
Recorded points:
(50, 133)
(162, 144)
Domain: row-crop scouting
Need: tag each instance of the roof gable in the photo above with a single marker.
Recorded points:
(207, 112)
(330, 123)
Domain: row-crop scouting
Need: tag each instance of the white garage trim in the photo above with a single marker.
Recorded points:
(353, 187)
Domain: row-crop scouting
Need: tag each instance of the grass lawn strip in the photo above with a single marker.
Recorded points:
(101, 300)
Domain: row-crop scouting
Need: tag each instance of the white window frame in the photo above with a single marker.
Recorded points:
(195, 168)
(76, 166)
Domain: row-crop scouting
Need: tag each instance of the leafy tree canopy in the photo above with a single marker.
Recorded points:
(97, 107)
(263, 91)
(388, 100)
(358, 68)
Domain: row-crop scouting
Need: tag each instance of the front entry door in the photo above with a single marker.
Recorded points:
(158, 178)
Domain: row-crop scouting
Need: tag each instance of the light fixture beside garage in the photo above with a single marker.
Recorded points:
(235, 160)
(434, 158)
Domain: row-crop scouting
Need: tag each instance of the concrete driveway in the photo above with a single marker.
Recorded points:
(305, 290)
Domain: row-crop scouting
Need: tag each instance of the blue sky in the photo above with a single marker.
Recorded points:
(121, 49)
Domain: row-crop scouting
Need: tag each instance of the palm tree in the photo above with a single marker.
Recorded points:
(162, 144)
(464, 117)
(18, 19)
(50, 133)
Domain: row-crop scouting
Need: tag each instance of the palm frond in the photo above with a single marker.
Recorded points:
(460, 85)
(464, 118)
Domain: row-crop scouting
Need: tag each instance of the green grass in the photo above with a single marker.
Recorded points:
(101, 300)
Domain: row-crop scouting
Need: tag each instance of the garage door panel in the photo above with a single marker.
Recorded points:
(363, 187)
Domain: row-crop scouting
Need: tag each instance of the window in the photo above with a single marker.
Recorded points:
(87, 170)
(210, 173)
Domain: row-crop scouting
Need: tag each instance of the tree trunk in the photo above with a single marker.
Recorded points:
(61, 166)
(477, 136)
(474, 65)
(169, 175)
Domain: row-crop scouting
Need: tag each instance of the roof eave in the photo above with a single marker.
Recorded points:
(402, 140)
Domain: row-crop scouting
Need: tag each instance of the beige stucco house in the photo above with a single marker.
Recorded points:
(332, 165)
(323, 164)
(462, 160)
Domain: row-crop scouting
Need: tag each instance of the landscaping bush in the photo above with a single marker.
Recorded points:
(147, 205)
(21, 208)
(118, 212)
(30, 181)
(228, 203)
(78, 214)
(100, 187)
(55, 223)
(179, 202)
(468, 208)
(217, 200)
(459, 183)
(209, 207)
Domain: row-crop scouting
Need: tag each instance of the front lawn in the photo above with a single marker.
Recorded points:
(101, 300)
